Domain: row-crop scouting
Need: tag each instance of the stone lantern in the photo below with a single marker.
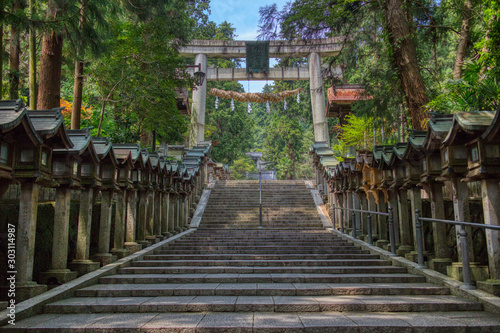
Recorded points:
(491, 141)
(32, 169)
(474, 132)
(153, 225)
(73, 168)
(90, 181)
(110, 185)
(395, 162)
(430, 180)
(411, 162)
(16, 134)
(125, 182)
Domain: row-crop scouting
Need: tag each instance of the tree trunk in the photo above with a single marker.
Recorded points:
(49, 94)
(464, 38)
(1, 56)
(15, 51)
(405, 59)
(32, 61)
(76, 112)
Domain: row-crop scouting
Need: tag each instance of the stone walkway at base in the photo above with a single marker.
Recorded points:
(356, 322)
(291, 276)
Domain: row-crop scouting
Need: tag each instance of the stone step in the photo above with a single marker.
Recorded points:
(158, 269)
(261, 278)
(255, 199)
(154, 322)
(235, 220)
(260, 263)
(292, 238)
(263, 257)
(251, 223)
(284, 246)
(252, 243)
(255, 226)
(245, 218)
(259, 289)
(266, 211)
(245, 251)
(368, 303)
(270, 238)
(290, 218)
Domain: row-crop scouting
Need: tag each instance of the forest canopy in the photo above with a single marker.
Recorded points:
(114, 66)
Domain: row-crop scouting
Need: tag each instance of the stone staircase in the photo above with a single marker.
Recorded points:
(293, 275)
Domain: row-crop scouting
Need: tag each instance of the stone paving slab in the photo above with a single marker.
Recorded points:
(96, 304)
(262, 303)
(121, 323)
(194, 289)
(295, 304)
(67, 323)
(274, 289)
(167, 304)
(236, 289)
(254, 303)
(213, 303)
(276, 322)
(260, 278)
(226, 322)
(436, 322)
(173, 322)
(326, 322)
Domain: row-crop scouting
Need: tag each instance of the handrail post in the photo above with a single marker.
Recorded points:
(391, 232)
(369, 225)
(334, 217)
(341, 220)
(260, 199)
(465, 259)
(420, 245)
(354, 224)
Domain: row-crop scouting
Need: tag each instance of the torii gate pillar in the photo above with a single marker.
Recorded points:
(318, 99)
(197, 127)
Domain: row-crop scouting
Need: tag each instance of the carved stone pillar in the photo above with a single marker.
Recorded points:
(59, 272)
(119, 232)
(131, 223)
(103, 255)
(25, 243)
(82, 263)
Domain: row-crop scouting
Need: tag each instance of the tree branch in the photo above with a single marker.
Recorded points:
(106, 100)
(439, 27)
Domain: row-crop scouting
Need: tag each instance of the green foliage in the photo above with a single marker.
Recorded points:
(140, 75)
(232, 133)
(243, 164)
(361, 133)
(284, 145)
(477, 90)
(367, 57)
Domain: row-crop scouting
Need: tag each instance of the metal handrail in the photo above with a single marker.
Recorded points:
(260, 199)
(463, 242)
(389, 214)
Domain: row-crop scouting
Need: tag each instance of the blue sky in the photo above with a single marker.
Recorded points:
(244, 16)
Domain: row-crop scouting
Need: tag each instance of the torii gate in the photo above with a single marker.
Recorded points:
(312, 49)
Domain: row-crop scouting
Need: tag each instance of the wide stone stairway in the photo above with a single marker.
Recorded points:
(292, 275)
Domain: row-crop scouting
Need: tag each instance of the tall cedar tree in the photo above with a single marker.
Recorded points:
(14, 52)
(49, 93)
(312, 19)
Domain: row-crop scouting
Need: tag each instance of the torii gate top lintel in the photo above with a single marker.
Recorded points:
(325, 47)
